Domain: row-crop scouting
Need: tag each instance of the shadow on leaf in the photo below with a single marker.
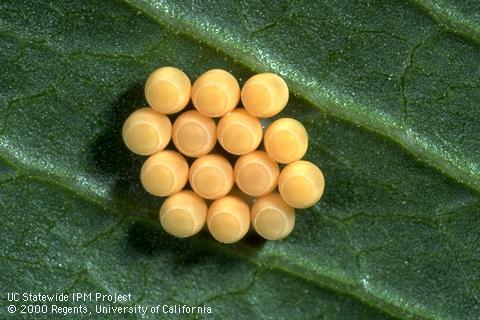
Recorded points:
(119, 166)
(149, 239)
(115, 163)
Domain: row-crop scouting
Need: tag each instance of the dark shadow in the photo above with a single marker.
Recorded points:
(149, 239)
(119, 167)
(254, 241)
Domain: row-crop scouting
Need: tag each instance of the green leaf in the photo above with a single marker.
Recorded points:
(388, 92)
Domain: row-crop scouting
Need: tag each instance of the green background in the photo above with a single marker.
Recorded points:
(388, 91)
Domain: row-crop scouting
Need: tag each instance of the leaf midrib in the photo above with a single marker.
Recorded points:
(123, 212)
(243, 251)
(460, 28)
(393, 132)
(322, 281)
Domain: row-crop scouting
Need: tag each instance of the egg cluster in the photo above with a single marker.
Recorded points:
(216, 94)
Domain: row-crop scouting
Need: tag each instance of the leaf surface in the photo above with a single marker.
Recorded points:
(387, 91)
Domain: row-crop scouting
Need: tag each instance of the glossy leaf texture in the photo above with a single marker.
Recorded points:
(388, 91)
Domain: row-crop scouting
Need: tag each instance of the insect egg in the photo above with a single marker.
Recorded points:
(228, 219)
(286, 140)
(239, 132)
(264, 95)
(301, 184)
(167, 90)
(272, 217)
(183, 214)
(146, 131)
(215, 93)
(211, 176)
(256, 173)
(194, 134)
(164, 173)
